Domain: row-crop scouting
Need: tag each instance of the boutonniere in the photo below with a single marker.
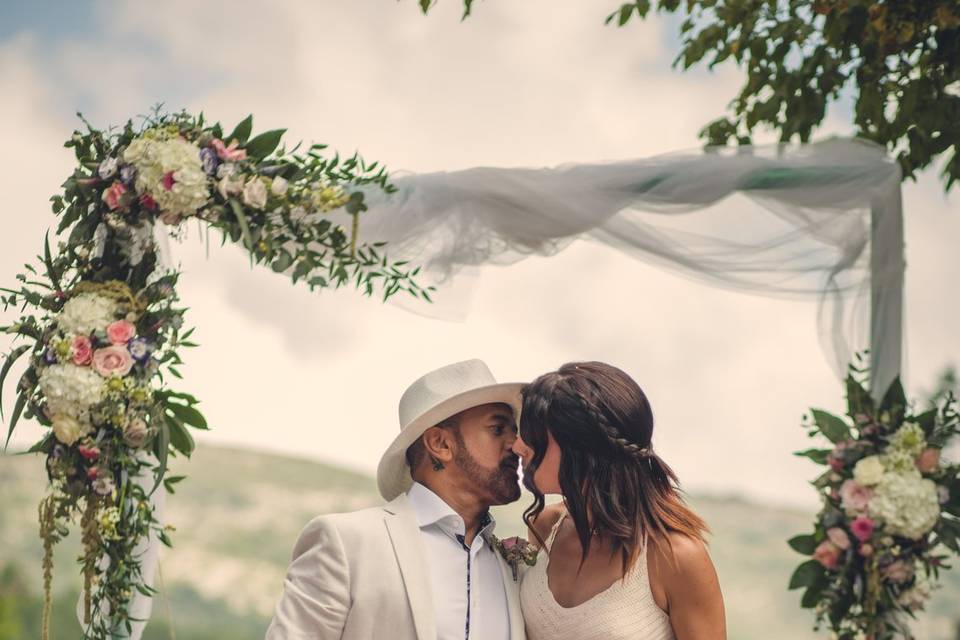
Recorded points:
(515, 550)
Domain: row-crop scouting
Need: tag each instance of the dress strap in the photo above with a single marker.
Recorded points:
(554, 530)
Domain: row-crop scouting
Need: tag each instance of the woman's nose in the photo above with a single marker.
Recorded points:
(520, 447)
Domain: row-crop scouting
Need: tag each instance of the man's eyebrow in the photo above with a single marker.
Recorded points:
(501, 417)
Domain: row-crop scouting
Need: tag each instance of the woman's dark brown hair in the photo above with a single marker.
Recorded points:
(612, 481)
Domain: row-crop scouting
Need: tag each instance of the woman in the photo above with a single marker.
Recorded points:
(585, 433)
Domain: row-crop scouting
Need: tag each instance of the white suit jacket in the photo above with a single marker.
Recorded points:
(362, 576)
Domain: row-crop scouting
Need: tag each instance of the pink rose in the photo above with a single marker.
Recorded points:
(168, 181)
(82, 350)
(121, 332)
(89, 453)
(510, 543)
(228, 153)
(928, 460)
(866, 550)
(92, 473)
(898, 571)
(827, 554)
(862, 528)
(839, 537)
(854, 496)
(112, 194)
(114, 360)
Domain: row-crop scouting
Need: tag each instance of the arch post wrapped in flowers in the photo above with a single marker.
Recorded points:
(103, 330)
(890, 516)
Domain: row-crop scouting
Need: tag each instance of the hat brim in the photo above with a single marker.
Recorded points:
(393, 472)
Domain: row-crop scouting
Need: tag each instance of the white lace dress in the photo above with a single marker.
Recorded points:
(624, 611)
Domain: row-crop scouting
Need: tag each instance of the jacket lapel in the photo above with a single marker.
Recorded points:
(408, 547)
(512, 588)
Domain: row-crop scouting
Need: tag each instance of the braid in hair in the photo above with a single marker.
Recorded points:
(613, 436)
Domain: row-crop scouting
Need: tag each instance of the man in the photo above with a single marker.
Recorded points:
(421, 567)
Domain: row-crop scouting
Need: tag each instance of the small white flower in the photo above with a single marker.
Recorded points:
(68, 429)
(279, 186)
(255, 193)
(953, 89)
(107, 168)
(226, 170)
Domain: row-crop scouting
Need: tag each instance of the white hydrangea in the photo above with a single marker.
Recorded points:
(868, 471)
(906, 503)
(155, 158)
(71, 390)
(86, 313)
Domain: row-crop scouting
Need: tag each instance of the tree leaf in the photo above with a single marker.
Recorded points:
(831, 426)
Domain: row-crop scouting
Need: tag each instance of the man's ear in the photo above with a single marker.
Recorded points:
(438, 443)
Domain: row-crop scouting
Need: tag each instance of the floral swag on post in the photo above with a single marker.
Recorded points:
(891, 508)
(102, 324)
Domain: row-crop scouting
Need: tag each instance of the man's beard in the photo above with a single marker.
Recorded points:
(501, 483)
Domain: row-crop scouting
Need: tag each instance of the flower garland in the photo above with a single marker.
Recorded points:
(891, 508)
(105, 326)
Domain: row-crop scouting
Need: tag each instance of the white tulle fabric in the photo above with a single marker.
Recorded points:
(821, 221)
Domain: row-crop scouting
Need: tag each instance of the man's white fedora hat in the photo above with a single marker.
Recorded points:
(431, 400)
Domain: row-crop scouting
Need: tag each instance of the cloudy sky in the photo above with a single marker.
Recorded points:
(536, 83)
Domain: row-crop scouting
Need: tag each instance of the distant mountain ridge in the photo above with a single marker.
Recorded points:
(239, 512)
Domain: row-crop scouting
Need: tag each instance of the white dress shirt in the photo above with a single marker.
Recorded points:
(467, 585)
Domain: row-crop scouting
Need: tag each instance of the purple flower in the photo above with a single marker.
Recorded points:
(49, 356)
(128, 173)
(210, 161)
(139, 349)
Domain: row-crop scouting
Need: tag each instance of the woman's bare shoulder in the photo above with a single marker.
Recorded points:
(545, 520)
(681, 558)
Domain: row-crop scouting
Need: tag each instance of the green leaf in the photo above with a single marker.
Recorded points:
(805, 544)
(161, 449)
(264, 144)
(17, 410)
(858, 398)
(806, 574)
(817, 455)
(48, 261)
(180, 438)
(188, 415)
(835, 429)
(242, 131)
(813, 594)
(894, 397)
(244, 226)
(14, 355)
(283, 262)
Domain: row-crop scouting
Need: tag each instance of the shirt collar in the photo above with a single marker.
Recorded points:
(430, 509)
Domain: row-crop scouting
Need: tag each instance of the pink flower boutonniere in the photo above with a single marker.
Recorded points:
(515, 550)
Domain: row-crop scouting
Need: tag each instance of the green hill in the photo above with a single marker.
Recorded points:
(239, 512)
